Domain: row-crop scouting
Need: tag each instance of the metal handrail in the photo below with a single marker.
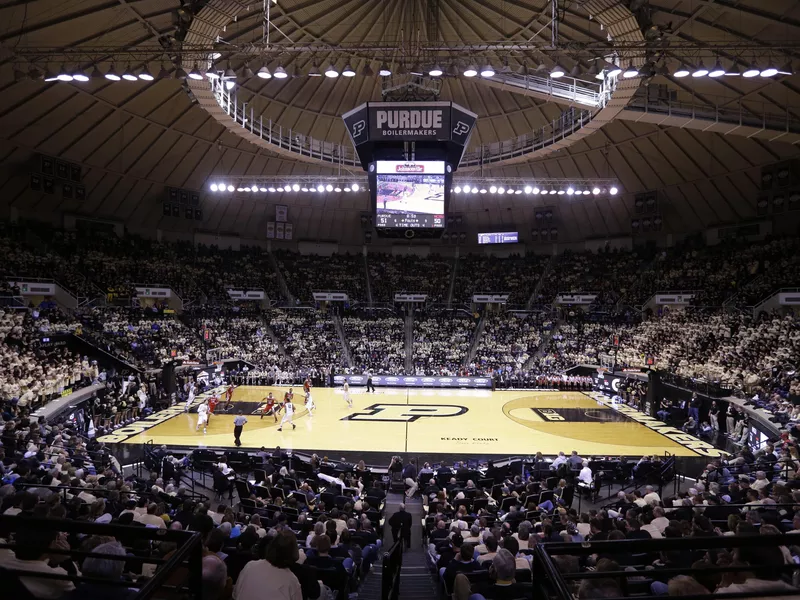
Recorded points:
(275, 134)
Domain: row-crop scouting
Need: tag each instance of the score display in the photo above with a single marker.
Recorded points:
(409, 195)
(504, 237)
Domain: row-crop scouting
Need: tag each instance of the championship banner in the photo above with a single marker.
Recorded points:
(271, 230)
(416, 382)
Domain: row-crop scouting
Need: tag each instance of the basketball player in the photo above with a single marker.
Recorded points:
(228, 396)
(288, 414)
(202, 417)
(307, 386)
(191, 395)
(310, 406)
(288, 396)
(212, 405)
(347, 398)
(270, 407)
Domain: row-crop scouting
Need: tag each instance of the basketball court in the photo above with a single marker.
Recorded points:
(426, 421)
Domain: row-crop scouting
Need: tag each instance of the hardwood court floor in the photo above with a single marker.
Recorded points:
(473, 422)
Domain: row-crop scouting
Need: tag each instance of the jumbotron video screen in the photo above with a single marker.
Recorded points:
(410, 195)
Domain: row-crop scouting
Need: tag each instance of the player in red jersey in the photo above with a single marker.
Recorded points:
(288, 396)
(228, 396)
(307, 386)
(270, 406)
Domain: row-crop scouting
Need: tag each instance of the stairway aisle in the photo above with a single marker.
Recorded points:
(416, 580)
(409, 333)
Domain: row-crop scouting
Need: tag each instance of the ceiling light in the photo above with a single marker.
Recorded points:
(179, 73)
(613, 190)
(64, 74)
(230, 84)
(570, 190)
(613, 70)
(683, 71)
(247, 72)
(501, 190)
(212, 74)
(452, 70)
(770, 71)
(215, 55)
(366, 70)
(231, 188)
(700, 70)
(337, 189)
(492, 189)
(560, 192)
(416, 70)
(471, 71)
(329, 188)
(195, 74)
(331, 72)
(347, 189)
(262, 189)
(295, 187)
(263, 73)
(128, 75)
(483, 190)
(97, 73)
(280, 189)
(457, 189)
(595, 190)
(557, 71)
(436, 71)
(163, 73)
(717, 70)
(487, 71)
(229, 73)
(734, 71)
(242, 189)
(576, 70)
(509, 191)
(631, 71)
(528, 189)
(751, 71)
(786, 69)
(280, 73)
(384, 71)
(81, 76)
(213, 187)
(314, 70)
(146, 75)
(271, 189)
(517, 192)
(536, 190)
(401, 69)
(348, 71)
(553, 191)
(303, 189)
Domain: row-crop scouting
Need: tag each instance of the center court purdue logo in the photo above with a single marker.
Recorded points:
(405, 413)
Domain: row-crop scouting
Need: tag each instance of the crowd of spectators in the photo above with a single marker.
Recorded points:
(377, 343)
(442, 342)
(309, 337)
(509, 341)
(307, 273)
(515, 275)
(390, 275)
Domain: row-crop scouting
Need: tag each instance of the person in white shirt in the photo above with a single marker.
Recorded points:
(560, 460)
(761, 481)
(270, 577)
(651, 497)
(310, 406)
(30, 554)
(585, 475)
(660, 522)
(151, 518)
(190, 397)
(288, 415)
(346, 391)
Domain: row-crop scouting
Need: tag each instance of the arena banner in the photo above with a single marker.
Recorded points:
(247, 294)
(411, 381)
(33, 288)
(575, 298)
(673, 298)
(788, 298)
(153, 292)
(330, 296)
(410, 297)
(490, 298)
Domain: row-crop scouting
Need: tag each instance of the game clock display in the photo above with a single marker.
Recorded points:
(410, 195)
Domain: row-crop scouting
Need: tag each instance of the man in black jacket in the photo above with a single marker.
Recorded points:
(400, 522)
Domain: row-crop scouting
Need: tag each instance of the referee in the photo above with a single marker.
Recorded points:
(238, 423)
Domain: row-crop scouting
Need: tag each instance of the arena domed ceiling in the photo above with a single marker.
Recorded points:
(699, 142)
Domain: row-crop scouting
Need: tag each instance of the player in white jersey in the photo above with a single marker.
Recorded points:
(310, 406)
(202, 417)
(190, 397)
(347, 398)
(288, 414)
